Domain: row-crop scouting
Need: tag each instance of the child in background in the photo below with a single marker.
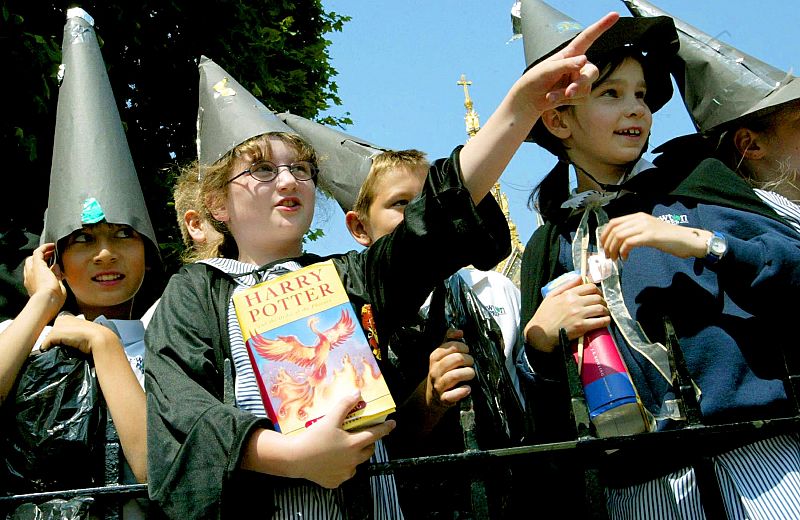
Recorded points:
(716, 270)
(207, 446)
(197, 231)
(99, 258)
(395, 179)
(746, 111)
(764, 148)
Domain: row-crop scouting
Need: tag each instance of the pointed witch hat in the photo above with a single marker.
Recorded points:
(719, 83)
(228, 114)
(344, 160)
(92, 177)
(546, 30)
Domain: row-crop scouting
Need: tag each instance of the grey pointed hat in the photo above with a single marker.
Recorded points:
(344, 161)
(92, 176)
(719, 83)
(546, 30)
(228, 114)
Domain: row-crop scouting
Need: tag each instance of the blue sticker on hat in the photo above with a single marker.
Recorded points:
(92, 211)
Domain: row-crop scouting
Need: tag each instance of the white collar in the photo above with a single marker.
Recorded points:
(601, 198)
(237, 268)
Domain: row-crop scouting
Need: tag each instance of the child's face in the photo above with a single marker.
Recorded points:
(104, 266)
(268, 218)
(392, 194)
(610, 130)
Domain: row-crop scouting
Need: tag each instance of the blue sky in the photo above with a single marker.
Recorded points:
(399, 61)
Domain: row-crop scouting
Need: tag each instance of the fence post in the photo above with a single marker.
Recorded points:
(479, 501)
(112, 467)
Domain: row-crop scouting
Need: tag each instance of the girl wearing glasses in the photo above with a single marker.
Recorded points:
(212, 452)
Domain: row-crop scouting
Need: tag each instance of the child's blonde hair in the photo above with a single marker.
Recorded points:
(186, 196)
(381, 164)
(214, 183)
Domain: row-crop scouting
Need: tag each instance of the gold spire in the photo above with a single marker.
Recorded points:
(510, 266)
(471, 119)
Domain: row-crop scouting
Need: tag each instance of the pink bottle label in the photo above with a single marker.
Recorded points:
(600, 356)
(606, 382)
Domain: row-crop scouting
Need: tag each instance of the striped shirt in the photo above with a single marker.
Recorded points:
(784, 207)
(757, 481)
(298, 498)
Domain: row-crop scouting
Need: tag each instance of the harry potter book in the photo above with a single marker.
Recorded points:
(308, 350)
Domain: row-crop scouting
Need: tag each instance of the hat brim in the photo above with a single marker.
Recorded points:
(785, 94)
(655, 38)
(653, 34)
(650, 35)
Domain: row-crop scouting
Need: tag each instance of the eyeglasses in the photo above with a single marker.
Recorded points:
(265, 171)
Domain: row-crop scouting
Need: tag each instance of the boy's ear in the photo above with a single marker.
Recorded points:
(556, 124)
(357, 228)
(194, 226)
(749, 144)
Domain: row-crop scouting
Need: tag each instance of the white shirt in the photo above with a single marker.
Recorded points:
(784, 207)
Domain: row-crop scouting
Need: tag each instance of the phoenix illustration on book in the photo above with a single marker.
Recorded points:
(300, 393)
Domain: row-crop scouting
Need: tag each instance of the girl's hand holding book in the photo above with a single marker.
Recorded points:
(327, 454)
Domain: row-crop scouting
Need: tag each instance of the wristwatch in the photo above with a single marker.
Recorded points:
(716, 247)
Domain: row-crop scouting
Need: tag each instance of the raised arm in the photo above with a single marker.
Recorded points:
(47, 295)
(564, 78)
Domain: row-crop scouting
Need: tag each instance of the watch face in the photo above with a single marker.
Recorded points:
(718, 246)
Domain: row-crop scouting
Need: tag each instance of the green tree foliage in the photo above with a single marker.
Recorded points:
(275, 48)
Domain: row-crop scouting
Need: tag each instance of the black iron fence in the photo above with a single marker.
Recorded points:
(476, 471)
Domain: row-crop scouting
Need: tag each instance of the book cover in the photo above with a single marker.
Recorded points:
(308, 350)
